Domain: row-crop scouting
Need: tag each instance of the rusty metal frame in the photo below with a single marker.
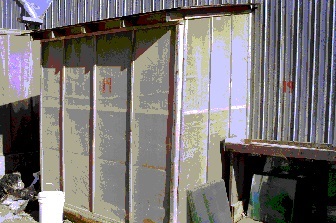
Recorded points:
(145, 19)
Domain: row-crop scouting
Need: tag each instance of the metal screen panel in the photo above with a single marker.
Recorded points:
(77, 135)
(50, 111)
(150, 148)
(112, 75)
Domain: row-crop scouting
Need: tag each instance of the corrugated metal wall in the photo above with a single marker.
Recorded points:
(294, 71)
(70, 12)
(10, 10)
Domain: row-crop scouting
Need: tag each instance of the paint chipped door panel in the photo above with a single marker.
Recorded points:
(77, 135)
(151, 123)
(193, 159)
(113, 72)
(50, 118)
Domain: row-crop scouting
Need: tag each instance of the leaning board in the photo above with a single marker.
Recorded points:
(209, 203)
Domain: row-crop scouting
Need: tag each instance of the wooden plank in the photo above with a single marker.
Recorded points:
(292, 143)
(282, 151)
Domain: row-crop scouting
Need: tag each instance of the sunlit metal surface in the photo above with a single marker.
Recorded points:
(293, 72)
(11, 10)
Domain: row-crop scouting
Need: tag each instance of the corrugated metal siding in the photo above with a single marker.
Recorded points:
(294, 41)
(88, 11)
(10, 10)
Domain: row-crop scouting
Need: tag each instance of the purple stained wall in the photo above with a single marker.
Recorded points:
(19, 104)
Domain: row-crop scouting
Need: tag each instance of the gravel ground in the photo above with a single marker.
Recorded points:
(29, 216)
(6, 215)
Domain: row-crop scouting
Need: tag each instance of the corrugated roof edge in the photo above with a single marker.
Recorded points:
(28, 8)
(141, 19)
(156, 11)
(45, 11)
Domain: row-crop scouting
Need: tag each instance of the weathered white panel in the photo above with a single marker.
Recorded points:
(112, 75)
(219, 92)
(149, 196)
(35, 47)
(20, 72)
(194, 145)
(76, 179)
(150, 123)
(4, 84)
(77, 103)
(110, 135)
(51, 131)
(152, 141)
(240, 35)
(19, 67)
(110, 189)
(50, 119)
(51, 173)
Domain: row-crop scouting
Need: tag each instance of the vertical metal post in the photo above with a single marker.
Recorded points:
(61, 119)
(248, 92)
(179, 64)
(230, 84)
(93, 124)
(131, 120)
(209, 97)
(41, 126)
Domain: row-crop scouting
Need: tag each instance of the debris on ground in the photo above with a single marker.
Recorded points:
(17, 203)
(14, 198)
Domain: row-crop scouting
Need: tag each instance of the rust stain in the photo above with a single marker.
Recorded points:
(154, 167)
(148, 221)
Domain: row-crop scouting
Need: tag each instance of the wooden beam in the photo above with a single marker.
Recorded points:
(282, 151)
(139, 20)
(292, 143)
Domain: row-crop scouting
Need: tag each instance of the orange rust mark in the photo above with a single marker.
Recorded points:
(153, 167)
(148, 221)
(107, 81)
